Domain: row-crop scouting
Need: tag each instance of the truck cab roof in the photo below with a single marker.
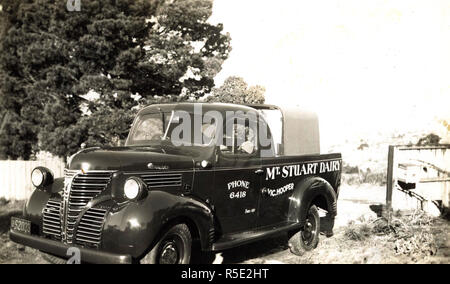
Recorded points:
(295, 129)
(189, 107)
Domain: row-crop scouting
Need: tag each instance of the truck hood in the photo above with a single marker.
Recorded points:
(131, 159)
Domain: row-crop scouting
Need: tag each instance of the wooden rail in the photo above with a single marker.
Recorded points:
(436, 158)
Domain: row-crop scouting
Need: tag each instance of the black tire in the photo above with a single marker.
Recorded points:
(308, 238)
(174, 247)
(53, 259)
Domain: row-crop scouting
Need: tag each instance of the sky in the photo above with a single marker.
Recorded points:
(373, 65)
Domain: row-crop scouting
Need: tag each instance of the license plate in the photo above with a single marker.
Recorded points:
(20, 225)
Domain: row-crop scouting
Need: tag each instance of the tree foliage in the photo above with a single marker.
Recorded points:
(235, 90)
(124, 52)
(429, 140)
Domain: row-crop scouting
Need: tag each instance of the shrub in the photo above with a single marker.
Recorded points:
(357, 232)
(429, 140)
(410, 234)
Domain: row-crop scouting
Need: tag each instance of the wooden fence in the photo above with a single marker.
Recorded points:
(15, 176)
(420, 172)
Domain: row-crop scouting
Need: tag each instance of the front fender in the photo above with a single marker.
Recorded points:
(135, 227)
(38, 200)
(305, 193)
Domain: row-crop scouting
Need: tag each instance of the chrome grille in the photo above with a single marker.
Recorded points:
(84, 187)
(68, 174)
(51, 222)
(162, 179)
(89, 230)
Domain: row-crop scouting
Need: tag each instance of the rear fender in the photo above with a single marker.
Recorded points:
(305, 193)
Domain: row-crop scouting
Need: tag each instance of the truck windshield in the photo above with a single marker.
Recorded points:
(149, 128)
(152, 129)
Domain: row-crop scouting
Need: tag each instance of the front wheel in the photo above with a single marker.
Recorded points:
(174, 247)
(308, 238)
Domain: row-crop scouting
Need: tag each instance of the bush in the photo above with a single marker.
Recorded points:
(356, 174)
(3, 201)
(364, 176)
(347, 169)
(410, 234)
(357, 232)
(429, 140)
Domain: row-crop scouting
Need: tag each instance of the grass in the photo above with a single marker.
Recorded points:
(413, 238)
(7, 210)
(358, 232)
(409, 235)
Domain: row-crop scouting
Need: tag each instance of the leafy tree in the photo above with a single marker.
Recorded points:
(125, 52)
(13, 126)
(235, 90)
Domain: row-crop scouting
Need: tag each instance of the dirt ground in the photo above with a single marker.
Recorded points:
(353, 206)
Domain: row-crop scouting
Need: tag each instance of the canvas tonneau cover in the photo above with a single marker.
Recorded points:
(300, 129)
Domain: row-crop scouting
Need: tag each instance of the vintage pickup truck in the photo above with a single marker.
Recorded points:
(256, 171)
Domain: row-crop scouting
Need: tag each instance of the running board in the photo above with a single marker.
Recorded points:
(242, 238)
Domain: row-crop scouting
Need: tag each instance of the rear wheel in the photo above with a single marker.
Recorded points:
(174, 247)
(308, 238)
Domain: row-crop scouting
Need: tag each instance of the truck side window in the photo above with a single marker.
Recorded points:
(208, 132)
(242, 141)
(266, 141)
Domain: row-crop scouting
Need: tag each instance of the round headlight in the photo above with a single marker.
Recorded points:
(132, 188)
(41, 177)
(37, 177)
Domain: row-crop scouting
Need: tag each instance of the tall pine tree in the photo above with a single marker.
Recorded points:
(69, 78)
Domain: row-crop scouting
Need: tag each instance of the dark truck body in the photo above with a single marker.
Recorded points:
(231, 200)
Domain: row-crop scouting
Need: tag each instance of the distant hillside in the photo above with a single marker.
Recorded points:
(366, 150)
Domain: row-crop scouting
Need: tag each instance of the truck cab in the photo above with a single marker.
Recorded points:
(220, 174)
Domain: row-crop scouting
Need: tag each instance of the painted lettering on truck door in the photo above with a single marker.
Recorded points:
(237, 183)
(280, 180)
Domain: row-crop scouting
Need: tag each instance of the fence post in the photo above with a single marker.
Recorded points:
(390, 182)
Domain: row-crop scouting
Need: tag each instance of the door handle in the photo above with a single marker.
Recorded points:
(259, 171)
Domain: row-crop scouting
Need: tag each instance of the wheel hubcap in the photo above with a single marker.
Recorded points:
(169, 254)
(309, 231)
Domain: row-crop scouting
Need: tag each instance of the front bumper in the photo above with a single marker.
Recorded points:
(60, 249)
